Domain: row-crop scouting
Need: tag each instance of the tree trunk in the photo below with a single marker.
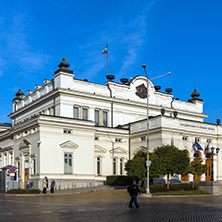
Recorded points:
(193, 182)
(168, 181)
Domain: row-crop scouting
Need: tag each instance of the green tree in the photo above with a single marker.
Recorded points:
(173, 161)
(197, 168)
(137, 166)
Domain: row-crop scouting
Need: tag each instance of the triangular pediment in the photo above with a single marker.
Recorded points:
(24, 144)
(119, 150)
(141, 148)
(69, 144)
(99, 149)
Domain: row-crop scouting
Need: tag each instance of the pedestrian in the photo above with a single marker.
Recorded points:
(133, 191)
(52, 186)
(151, 181)
(47, 185)
(44, 184)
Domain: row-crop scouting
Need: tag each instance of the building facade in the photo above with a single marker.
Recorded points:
(78, 132)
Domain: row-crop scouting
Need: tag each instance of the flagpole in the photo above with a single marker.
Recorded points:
(107, 61)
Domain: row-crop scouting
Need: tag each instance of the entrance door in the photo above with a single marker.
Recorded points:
(208, 162)
(26, 176)
(197, 159)
(185, 177)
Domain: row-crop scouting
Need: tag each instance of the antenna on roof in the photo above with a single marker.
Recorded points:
(63, 48)
(194, 82)
(19, 81)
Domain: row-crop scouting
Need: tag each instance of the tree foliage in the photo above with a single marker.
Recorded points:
(197, 168)
(137, 166)
(173, 160)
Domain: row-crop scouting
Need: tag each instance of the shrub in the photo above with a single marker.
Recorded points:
(173, 187)
(120, 180)
(24, 191)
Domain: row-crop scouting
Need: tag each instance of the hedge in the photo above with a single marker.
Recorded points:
(173, 187)
(120, 180)
(24, 191)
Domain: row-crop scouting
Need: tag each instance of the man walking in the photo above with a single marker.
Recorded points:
(133, 190)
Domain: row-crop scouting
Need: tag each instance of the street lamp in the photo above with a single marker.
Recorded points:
(147, 130)
(212, 156)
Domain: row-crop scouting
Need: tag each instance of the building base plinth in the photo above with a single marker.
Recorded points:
(146, 195)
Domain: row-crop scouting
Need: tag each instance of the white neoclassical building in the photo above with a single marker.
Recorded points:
(78, 132)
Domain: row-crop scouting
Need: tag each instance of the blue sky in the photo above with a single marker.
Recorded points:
(184, 37)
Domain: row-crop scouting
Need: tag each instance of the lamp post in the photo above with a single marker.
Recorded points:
(212, 156)
(147, 129)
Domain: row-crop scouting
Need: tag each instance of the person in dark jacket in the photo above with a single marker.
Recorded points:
(133, 190)
(52, 186)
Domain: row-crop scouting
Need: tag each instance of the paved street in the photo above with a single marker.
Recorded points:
(110, 205)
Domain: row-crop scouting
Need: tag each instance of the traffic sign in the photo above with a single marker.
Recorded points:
(148, 163)
(12, 170)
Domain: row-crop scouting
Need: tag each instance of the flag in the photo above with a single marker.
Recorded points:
(105, 51)
(172, 141)
(207, 147)
(194, 149)
(197, 145)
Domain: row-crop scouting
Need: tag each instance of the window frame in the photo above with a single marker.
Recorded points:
(95, 111)
(98, 163)
(105, 122)
(114, 166)
(87, 113)
(70, 169)
(78, 113)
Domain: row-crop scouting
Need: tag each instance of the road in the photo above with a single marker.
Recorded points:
(110, 205)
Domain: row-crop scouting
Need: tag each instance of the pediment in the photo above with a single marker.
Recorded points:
(24, 144)
(69, 144)
(99, 149)
(141, 148)
(119, 150)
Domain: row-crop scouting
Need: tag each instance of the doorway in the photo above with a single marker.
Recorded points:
(208, 162)
(197, 159)
(185, 177)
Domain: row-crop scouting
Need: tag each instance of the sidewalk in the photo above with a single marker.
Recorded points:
(87, 189)
(72, 191)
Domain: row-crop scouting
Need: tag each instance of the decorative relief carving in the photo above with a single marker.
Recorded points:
(141, 91)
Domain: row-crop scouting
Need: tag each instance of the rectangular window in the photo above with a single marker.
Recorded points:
(96, 117)
(114, 166)
(197, 139)
(118, 140)
(105, 118)
(98, 166)
(67, 131)
(85, 113)
(67, 163)
(76, 112)
(143, 138)
(185, 138)
(18, 169)
(34, 167)
(121, 166)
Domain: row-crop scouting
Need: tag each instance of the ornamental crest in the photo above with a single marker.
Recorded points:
(141, 91)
